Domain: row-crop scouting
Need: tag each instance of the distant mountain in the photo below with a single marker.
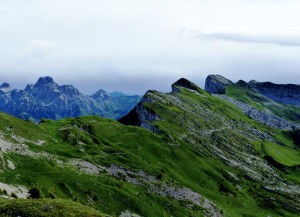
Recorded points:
(47, 99)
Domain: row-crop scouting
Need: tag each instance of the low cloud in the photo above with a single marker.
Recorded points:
(282, 40)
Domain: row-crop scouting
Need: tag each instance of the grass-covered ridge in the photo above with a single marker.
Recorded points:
(206, 150)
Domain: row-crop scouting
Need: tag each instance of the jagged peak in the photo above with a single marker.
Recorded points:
(100, 94)
(43, 81)
(5, 86)
(28, 87)
(183, 82)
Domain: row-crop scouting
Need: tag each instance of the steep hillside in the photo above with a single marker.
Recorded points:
(198, 156)
(47, 99)
(218, 131)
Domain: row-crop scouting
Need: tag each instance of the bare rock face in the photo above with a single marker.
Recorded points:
(262, 117)
(184, 83)
(216, 84)
(141, 115)
(283, 93)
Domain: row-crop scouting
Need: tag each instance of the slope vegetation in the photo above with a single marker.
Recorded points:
(194, 155)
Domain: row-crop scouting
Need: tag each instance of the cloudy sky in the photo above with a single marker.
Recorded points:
(136, 45)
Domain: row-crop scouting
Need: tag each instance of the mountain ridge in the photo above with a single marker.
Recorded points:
(47, 99)
(188, 153)
(282, 93)
(217, 128)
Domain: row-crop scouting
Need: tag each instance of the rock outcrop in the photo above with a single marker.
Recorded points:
(182, 82)
(216, 84)
(283, 93)
(141, 116)
(262, 117)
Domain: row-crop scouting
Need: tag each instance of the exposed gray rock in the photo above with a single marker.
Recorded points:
(141, 115)
(168, 190)
(128, 214)
(185, 194)
(283, 93)
(216, 84)
(260, 116)
(182, 82)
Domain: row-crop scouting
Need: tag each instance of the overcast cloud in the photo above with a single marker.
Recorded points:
(136, 45)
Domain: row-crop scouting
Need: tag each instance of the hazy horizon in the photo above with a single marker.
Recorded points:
(135, 46)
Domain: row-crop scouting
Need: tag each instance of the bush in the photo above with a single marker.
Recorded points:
(51, 195)
(35, 192)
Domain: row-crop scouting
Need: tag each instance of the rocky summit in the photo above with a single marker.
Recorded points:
(216, 84)
(47, 99)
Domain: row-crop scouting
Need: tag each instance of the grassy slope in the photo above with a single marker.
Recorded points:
(112, 142)
(286, 155)
(260, 102)
(282, 154)
(174, 117)
(45, 208)
(108, 142)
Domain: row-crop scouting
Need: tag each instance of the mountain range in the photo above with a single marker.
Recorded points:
(47, 99)
(230, 150)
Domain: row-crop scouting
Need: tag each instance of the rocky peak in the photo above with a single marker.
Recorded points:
(43, 81)
(253, 83)
(216, 84)
(242, 83)
(100, 94)
(5, 87)
(69, 90)
(28, 87)
(182, 82)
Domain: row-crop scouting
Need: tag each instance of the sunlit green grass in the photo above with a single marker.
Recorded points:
(283, 154)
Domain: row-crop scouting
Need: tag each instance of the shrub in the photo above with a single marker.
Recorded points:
(51, 195)
(35, 192)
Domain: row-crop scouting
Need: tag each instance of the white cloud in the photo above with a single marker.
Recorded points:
(148, 43)
(284, 37)
(39, 48)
